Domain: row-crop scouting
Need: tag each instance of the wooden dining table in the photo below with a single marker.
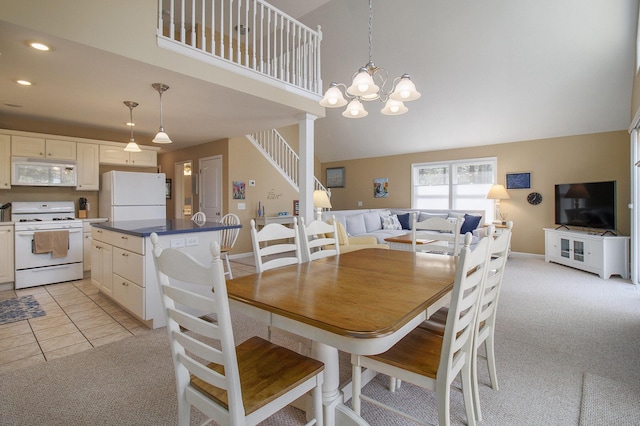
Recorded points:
(362, 302)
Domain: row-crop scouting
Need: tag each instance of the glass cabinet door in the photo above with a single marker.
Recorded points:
(565, 248)
(578, 251)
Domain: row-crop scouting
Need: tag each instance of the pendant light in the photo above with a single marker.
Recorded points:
(368, 84)
(161, 136)
(132, 146)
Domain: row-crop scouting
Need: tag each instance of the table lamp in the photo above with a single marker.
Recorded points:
(498, 192)
(320, 201)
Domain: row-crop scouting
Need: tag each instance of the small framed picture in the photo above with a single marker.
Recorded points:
(519, 180)
(167, 189)
(335, 177)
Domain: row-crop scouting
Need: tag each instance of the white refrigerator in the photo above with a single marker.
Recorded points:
(132, 196)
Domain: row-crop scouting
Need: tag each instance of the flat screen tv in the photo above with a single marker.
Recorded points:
(587, 204)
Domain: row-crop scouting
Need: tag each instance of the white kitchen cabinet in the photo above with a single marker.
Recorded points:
(604, 255)
(86, 243)
(88, 167)
(127, 268)
(5, 162)
(133, 272)
(101, 266)
(116, 155)
(7, 270)
(27, 146)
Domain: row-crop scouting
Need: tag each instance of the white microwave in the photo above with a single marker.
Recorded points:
(43, 172)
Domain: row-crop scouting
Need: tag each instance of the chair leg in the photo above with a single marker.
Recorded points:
(475, 386)
(226, 259)
(491, 361)
(316, 393)
(356, 383)
(467, 394)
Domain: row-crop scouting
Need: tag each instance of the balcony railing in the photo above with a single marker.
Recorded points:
(248, 33)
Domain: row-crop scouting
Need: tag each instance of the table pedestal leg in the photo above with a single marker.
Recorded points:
(330, 388)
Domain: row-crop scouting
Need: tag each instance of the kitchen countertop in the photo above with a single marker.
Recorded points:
(144, 228)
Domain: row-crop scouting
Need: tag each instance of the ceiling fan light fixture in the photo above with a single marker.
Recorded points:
(132, 146)
(161, 136)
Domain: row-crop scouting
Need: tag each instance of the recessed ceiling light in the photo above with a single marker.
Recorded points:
(39, 46)
(130, 124)
(23, 82)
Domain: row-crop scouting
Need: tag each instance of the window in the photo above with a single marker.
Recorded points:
(456, 185)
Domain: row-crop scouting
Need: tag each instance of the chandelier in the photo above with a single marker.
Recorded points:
(368, 84)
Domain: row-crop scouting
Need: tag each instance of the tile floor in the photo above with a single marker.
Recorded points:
(77, 318)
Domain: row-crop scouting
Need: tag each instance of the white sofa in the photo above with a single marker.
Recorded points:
(369, 222)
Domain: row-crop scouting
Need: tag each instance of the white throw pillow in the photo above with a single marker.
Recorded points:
(391, 222)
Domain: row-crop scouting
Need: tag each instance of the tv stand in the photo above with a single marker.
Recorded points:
(563, 226)
(600, 254)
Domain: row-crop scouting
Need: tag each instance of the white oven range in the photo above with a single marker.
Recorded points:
(33, 269)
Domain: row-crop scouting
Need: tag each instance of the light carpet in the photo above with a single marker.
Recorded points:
(554, 325)
(19, 309)
(609, 402)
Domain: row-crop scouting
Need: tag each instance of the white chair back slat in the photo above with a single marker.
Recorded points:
(268, 248)
(445, 233)
(316, 237)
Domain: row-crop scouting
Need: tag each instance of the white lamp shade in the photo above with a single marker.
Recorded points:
(321, 199)
(363, 85)
(132, 147)
(355, 109)
(498, 192)
(161, 137)
(393, 107)
(333, 98)
(405, 90)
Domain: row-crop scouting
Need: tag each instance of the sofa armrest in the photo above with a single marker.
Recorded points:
(362, 240)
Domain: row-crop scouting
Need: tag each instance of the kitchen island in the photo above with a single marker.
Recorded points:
(122, 265)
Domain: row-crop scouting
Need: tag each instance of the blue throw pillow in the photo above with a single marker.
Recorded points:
(470, 223)
(404, 220)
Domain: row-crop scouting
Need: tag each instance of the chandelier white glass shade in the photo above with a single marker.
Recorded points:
(161, 136)
(132, 146)
(368, 84)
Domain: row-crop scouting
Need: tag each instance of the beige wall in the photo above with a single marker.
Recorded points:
(241, 162)
(594, 157)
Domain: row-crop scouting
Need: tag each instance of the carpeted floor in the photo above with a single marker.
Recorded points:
(566, 345)
(609, 402)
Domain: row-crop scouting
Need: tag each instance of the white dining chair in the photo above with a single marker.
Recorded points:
(275, 245)
(432, 361)
(230, 384)
(228, 239)
(486, 321)
(444, 233)
(316, 237)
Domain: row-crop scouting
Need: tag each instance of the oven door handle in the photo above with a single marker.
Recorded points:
(30, 233)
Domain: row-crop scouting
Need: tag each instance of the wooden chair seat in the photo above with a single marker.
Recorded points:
(418, 352)
(267, 371)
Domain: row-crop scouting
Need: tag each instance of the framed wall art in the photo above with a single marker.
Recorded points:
(519, 180)
(380, 188)
(335, 177)
(239, 189)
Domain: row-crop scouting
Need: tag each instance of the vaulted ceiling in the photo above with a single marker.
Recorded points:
(489, 71)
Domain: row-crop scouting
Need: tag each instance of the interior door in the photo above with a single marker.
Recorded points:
(211, 187)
